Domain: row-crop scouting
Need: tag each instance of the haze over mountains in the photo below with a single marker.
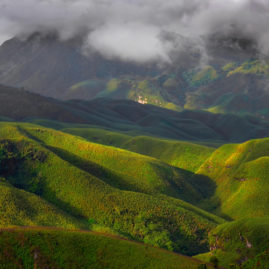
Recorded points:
(233, 80)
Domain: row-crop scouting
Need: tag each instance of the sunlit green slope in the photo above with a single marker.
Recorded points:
(240, 172)
(104, 186)
(242, 243)
(181, 154)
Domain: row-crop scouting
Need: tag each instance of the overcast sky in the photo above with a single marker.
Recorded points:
(137, 30)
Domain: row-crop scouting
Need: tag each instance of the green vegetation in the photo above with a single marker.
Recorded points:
(112, 85)
(115, 177)
(121, 160)
(240, 172)
(100, 185)
(250, 67)
(260, 261)
(152, 177)
(229, 66)
(201, 77)
(18, 207)
(48, 248)
(176, 153)
(240, 242)
(51, 178)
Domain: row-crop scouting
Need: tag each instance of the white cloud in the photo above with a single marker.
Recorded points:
(133, 29)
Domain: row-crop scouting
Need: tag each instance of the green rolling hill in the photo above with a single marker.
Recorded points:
(104, 172)
(51, 178)
(243, 242)
(73, 175)
(56, 248)
(240, 172)
(21, 208)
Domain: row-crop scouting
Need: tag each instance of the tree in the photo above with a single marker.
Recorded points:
(214, 260)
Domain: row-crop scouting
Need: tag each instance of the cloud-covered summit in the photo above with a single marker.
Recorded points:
(138, 30)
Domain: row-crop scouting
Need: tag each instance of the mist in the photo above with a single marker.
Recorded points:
(136, 30)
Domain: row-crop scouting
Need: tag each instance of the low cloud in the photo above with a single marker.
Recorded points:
(136, 30)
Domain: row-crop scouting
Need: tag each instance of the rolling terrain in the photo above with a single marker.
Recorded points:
(134, 134)
(241, 175)
(131, 118)
(56, 248)
(243, 242)
(104, 172)
(102, 190)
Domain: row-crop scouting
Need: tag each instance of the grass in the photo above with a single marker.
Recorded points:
(239, 242)
(86, 181)
(21, 208)
(57, 179)
(118, 165)
(48, 248)
(241, 175)
(176, 153)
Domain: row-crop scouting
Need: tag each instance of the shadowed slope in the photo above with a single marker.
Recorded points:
(129, 116)
(18, 207)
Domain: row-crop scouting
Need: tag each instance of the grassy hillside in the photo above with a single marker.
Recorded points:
(117, 167)
(18, 207)
(86, 181)
(243, 242)
(176, 153)
(240, 172)
(48, 248)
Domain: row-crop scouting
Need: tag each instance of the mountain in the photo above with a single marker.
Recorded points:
(45, 65)
(232, 79)
(113, 164)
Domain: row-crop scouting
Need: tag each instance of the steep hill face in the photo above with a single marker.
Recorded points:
(243, 243)
(241, 175)
(50, 67)
(231, 80)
